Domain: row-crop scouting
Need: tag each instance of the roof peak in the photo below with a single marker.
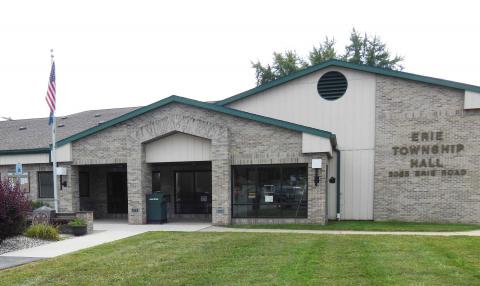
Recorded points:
(353, 66)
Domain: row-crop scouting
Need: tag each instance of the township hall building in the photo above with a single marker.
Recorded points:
(392, 146)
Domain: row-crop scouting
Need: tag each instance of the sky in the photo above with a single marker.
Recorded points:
(132, 53)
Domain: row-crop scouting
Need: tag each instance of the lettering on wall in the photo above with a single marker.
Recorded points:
(426, 155)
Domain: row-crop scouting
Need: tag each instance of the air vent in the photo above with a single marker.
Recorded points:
(22, 128)
(332, 85)
(98, 115)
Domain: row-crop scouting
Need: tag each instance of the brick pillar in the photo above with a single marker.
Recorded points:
(139, 177)
(221, 187)
(69, 198)
(317, 195)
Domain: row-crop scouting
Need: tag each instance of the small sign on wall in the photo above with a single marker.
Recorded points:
(316, 163)
(18, 169)
(269, 199)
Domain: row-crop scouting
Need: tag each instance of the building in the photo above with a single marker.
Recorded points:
(392, 145)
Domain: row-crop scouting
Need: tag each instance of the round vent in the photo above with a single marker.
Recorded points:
(332, 85)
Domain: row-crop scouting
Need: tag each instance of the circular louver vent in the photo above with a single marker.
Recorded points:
(332, 85)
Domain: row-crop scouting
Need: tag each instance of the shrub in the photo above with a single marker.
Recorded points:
(42, 231)
(38, 204)
(13, 209)
(77, 222)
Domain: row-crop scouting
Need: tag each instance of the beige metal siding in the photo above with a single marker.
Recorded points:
(315, 144)
(178, 147)
(356, 184)
(351, 118)
(64, 153)
(24, 159)
(472, 100)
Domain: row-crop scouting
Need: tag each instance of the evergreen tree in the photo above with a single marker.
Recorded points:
(361, 50)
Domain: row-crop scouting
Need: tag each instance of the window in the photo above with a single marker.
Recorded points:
(193, 192)
(84, 184)
(156, 182)
(332, 85)
(269, 191)
(45, 184)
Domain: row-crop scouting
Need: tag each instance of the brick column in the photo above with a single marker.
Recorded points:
(221, 187)
(317, 195)
(69, 198)
(139, 177)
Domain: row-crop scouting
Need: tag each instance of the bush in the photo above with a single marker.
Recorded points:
(13, 209)
(77, 222)
(38, 204)
(42, 231)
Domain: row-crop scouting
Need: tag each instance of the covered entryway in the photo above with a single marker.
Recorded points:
(188, 189)
(182, 170)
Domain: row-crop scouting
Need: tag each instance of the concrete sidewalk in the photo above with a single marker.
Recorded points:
(341, 232)
(104, 231)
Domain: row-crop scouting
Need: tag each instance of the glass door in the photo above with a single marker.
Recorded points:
(193, 192)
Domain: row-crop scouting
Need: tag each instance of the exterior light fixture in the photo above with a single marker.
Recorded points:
(316, 164)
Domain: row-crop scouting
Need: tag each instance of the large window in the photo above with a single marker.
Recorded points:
(45, 185)
(269, 191)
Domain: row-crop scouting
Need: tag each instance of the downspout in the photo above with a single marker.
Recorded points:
(338, 184)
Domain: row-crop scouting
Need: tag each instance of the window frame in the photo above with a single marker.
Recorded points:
(39, 173)
(257, 180)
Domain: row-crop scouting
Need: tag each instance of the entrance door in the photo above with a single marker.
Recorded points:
(117, 196)
(193, 192)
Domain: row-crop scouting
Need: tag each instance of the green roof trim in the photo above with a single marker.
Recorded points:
(25, 151)
(359, 67)
(203, 105)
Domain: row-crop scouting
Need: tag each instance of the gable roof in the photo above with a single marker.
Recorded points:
(359, 67)
(203, 105)
(131, 113)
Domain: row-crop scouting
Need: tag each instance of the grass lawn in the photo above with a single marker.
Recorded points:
(366, 225)
(201, 258)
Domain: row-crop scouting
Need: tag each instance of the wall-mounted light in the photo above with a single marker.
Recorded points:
(316, 164)
(62, 171)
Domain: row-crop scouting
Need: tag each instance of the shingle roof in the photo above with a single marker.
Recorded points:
(202, 105)
(359, 67)
(38, 135)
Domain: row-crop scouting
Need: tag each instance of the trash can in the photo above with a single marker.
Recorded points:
(156, 208)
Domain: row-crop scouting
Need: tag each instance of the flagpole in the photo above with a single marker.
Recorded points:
(54, 155)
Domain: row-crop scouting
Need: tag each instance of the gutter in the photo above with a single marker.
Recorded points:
(338, 183)
(25, 151)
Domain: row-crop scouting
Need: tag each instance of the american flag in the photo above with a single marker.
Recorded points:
(50, 97)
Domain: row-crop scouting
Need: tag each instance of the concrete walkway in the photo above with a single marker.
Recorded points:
(341, 232)
(104, 231)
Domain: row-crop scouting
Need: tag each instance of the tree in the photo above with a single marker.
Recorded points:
(325, 51)
(283, 64)
(361, 50)
(370, 51)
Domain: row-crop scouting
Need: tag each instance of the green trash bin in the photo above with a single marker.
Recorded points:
(156, 208)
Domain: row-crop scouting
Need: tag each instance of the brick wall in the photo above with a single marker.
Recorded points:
(234, 141)
(439, 186)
